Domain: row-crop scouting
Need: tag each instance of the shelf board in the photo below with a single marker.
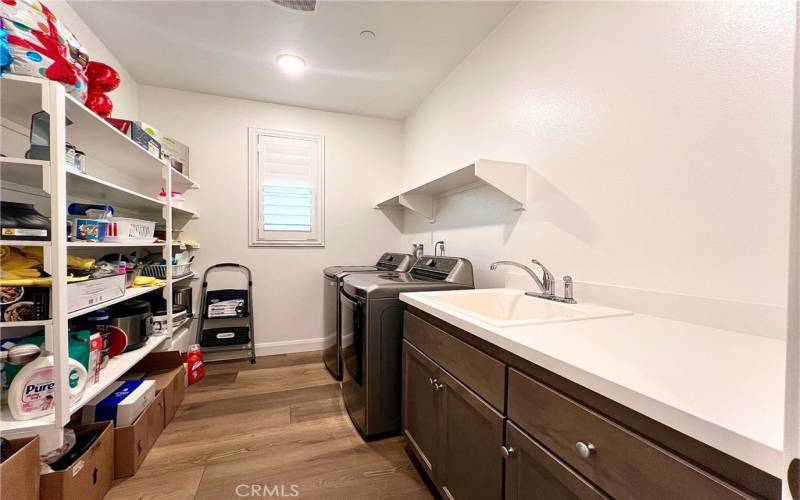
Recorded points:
(102, 142)
(20, 324)
(23, 243)
(24, 171)
(87, 187)
(20, 97)
(509, 178)
(115, 368)
(186, 277)
(182, 183)
(129, 294)
(92, 244)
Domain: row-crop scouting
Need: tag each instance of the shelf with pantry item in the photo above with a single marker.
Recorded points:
(105, 144)
(116, 367)
(509, 178)
(129, 294)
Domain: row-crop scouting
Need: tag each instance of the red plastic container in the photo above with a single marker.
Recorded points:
(195, 368)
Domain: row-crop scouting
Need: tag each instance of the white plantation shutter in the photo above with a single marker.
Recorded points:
(287, 199)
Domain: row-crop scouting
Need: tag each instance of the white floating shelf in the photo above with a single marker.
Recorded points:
(509, 178)
(129, 294)
(115, 368)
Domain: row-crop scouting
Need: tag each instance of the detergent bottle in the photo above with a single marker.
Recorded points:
(195, 368)
(32, 392)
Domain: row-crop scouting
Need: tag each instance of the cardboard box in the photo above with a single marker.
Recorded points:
(19, 474)
(123, 401)
(132, 443)
(177, 153)
(87, 293)
(136, 131)
(24, 303)
(90, 477)
(167, 370)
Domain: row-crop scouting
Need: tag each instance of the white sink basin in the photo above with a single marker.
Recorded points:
(508, 307)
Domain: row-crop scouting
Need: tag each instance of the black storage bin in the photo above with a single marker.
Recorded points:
(214, 337)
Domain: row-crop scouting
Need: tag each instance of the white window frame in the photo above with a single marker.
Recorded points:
(260, 238)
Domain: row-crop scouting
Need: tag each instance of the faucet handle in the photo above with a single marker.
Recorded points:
(568, 289)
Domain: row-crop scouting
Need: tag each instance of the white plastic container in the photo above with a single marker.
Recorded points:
(126, 230)
(123, 401)
(33, 391)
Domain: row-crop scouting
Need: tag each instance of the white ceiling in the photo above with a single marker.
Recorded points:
(229, 48)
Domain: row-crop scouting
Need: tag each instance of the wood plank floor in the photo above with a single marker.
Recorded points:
(280, 422)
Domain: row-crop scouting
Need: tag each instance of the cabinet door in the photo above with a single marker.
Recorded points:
(471, 436)
(532, 472)
(420, 406)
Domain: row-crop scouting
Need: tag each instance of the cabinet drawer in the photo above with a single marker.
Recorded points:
(621, 463)
(478, 371)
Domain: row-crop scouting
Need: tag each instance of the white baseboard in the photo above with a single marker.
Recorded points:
(288, 346)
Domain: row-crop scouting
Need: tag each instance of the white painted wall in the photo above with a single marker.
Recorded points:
(361, 155)
(126, 96)
(659, 134)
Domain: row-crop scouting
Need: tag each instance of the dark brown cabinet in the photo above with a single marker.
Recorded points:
(420, 408)
(532, 472)
(467, 403)
(454, 433)
(470, 430)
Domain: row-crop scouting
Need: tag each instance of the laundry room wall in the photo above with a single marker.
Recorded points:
(658, 139)
(362, 157)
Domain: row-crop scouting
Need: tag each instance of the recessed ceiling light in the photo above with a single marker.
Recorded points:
(367, 35)
(291, 63)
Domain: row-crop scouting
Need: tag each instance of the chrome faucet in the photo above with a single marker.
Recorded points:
(436, 246)
(546, 284)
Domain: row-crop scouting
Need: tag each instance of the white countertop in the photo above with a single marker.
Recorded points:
(723, 388)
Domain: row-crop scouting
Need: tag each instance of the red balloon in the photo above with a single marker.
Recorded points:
(99, 103)
(102, 77)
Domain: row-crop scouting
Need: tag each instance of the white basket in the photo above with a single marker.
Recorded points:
(160, 271)
(124, 230)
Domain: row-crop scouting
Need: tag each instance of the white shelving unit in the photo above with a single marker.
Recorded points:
(121, 173)
(509, 178)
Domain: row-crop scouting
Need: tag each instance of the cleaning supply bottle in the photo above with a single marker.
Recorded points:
(195, 368)
(32, 393)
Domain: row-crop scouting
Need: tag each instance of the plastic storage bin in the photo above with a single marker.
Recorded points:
(125, 230)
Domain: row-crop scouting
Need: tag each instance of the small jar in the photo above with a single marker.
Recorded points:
(80, 161)
(70, 157)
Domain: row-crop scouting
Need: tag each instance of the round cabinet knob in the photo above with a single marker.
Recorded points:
(432, 380)
(438, 387)
(585, 450)
(507, 452)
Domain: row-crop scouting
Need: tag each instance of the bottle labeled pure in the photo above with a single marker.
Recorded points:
(33, 391)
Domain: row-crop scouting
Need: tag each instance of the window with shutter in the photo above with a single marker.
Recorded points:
(287, 184)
